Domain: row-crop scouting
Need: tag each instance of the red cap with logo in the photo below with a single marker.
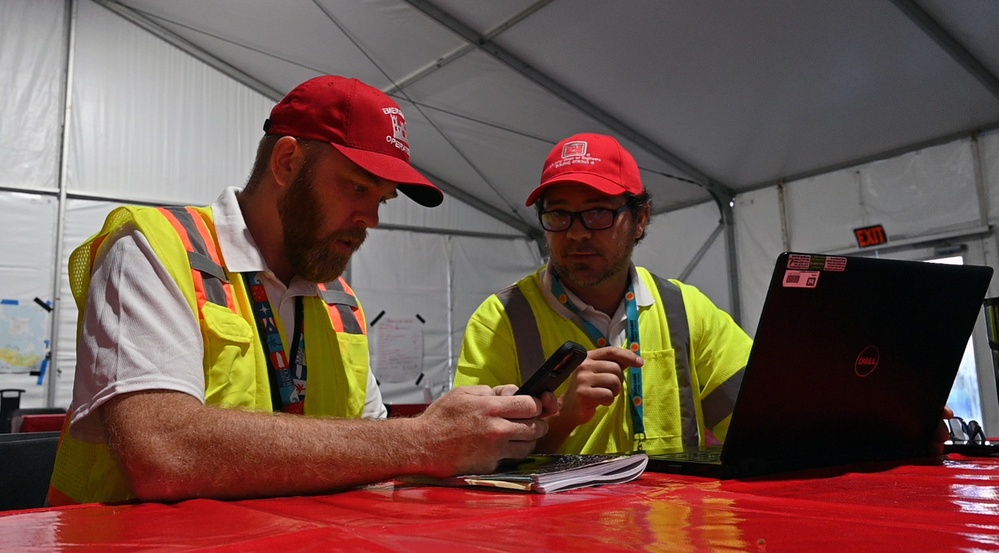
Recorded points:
(596, 160)
(361, 122)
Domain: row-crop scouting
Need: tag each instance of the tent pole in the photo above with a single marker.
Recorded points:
(728, 220)
(60, 230)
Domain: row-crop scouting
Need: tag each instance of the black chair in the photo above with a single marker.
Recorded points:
(10, 400)
(26, 463)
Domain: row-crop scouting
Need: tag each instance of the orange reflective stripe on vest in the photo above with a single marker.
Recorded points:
(210, 281)
(346, 315)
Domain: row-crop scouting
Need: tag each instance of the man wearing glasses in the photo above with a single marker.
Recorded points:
(664, 363)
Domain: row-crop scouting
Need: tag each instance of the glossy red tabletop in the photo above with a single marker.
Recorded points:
(953, 506)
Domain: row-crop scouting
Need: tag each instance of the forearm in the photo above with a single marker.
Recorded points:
(199, 451)
(172, 447)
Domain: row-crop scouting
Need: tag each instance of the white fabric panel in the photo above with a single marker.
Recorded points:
(822, 211)
(919, 193)
(481, 267)
(152, 123)
(32, 58)
(924, 191)
(673, 239)
(758, 241)
(405, 275)
(28, 227)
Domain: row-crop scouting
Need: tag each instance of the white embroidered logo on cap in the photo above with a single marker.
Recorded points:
(577, 148)
(400, 136)
(575, 152)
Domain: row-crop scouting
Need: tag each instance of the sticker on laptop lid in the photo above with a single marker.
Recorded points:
(801, 279)
(803, 262)
(834, 263)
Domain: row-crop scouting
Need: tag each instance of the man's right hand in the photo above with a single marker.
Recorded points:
(470, 429)
(597, 381)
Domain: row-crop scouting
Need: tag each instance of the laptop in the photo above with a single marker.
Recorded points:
(853, 361)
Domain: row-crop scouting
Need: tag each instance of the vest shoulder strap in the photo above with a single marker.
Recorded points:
(526, 334)
(211, 282)
(344, 309)
(679, 337)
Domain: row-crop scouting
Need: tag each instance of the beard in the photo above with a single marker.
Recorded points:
(579, 275)
(314, 258)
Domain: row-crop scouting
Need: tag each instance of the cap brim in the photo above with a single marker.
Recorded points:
(598, 183)
(410, 181)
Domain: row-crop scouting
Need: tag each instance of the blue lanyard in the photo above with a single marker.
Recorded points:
(289, 382)
(637, 406)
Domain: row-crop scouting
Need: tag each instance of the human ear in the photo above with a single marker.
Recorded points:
(287, 159)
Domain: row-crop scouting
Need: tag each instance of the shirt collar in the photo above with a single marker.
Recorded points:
(240, 252)
(643, 296)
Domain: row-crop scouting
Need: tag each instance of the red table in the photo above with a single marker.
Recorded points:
(952, 506)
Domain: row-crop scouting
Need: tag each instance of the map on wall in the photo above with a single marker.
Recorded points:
(23, 336)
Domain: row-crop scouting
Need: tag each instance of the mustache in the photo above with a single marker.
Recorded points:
(581, 251)
(354, 236)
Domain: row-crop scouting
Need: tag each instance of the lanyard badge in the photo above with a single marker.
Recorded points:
(636, 405)
(289, 381)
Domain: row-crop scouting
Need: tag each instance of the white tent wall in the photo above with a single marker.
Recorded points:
(148, 123)
(31, 104)
(26, 273)
(672, 248)
(424, 287)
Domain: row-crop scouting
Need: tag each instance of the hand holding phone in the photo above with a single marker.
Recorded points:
(555, 370)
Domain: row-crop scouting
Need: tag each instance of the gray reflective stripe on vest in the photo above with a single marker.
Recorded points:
(526, 335)
(721, 401)
(679, 336)
(336, 297)
(716, 406)
(213, 273)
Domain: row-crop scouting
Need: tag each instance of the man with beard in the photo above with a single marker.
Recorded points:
(664, 363)
(206, 333)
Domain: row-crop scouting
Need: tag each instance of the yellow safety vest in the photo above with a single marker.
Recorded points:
(694, 359)
(235, 362)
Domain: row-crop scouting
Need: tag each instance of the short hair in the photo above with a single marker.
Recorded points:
(264, 150)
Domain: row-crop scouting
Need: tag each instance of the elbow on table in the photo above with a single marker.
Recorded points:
(163, 482)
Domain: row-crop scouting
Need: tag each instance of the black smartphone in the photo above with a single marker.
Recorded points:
(555, 370)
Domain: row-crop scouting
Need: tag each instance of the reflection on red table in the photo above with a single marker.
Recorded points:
(952, 506)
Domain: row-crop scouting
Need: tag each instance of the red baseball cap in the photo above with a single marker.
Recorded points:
(596, 160)
(361, 122)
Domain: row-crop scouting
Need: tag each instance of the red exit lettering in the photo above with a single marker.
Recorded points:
(870, 236)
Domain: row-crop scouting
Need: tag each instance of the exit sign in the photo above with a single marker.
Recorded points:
(870, 236)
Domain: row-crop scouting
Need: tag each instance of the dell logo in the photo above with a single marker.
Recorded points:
(867, 361)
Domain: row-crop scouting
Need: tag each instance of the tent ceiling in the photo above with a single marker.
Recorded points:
(714, 97)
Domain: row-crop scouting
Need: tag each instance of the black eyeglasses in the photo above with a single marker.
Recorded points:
(600, 218)
(965, 432)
